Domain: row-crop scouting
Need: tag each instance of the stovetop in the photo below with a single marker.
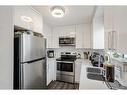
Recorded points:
(66, 59)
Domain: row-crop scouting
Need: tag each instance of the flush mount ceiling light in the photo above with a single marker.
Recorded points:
(26, 18)
(57, 11)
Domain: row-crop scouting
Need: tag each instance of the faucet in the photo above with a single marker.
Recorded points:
(109, 56)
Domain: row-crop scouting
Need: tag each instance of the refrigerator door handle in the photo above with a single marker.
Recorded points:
(22, 77)
(35, 60)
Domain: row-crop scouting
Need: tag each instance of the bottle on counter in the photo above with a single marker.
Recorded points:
(86, 55)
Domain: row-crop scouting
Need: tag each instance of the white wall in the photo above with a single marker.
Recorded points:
(6, 48)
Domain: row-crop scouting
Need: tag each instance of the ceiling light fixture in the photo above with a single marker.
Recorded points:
(26, 18)
(57, 11)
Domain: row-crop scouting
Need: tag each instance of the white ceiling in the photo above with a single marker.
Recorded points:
(73, 15)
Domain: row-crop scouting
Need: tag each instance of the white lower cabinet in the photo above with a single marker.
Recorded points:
(77, 71)
(51, 70)
(120, 71)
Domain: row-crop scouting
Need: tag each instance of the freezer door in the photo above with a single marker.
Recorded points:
(32, 47)
(33, 75)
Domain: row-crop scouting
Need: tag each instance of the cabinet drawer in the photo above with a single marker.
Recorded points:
(65, 78)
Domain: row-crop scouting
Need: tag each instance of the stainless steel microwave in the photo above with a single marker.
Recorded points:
(67, 41)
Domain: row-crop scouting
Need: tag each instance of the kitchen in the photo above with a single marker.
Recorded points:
(81, 47)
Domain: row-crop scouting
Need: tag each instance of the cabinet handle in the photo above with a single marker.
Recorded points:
(108, 40)
(114, 37)
(113, 40)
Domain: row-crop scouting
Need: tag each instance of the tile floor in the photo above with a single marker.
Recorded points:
(63, 85)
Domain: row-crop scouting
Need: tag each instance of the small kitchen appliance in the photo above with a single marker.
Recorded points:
(50, 53)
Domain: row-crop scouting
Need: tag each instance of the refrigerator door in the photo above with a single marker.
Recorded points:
(32, 47)
(33, 75)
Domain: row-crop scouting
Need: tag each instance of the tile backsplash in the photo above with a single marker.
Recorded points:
(57, 51)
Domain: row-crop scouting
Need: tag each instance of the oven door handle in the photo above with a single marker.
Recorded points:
(58, 66)
(64, 62)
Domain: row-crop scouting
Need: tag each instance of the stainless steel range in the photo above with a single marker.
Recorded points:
(66, 67)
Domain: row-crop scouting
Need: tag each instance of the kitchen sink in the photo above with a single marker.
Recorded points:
(95, 70)
(95, 73)
(95, 77)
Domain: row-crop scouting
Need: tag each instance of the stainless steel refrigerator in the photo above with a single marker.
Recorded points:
(29, 62)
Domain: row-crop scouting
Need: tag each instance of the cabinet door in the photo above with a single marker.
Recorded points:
(61, 31)
(106, 40)
(108, 26)
(79, 36)
(55, 38)
(67, 30)
(115, 20)
(109, 40)
(38, 21)
(108, 18)
(47, 32)
(51, 73)
(77, 71)
(120, 22)
(83, 36)
(48, 72)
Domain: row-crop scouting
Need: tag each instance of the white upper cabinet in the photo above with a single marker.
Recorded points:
(47, 32)
(120, 28)
(37, 22)
(116, 28)
(83, 36)
(61, 31)
(28, 18)
(109, 28)
(55, 38)
(81, 32)
(108, 19)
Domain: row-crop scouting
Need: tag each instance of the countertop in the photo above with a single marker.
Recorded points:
(121, 60)
(86, 83)
(85, 61)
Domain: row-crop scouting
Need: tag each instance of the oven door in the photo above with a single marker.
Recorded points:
(65, 68)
